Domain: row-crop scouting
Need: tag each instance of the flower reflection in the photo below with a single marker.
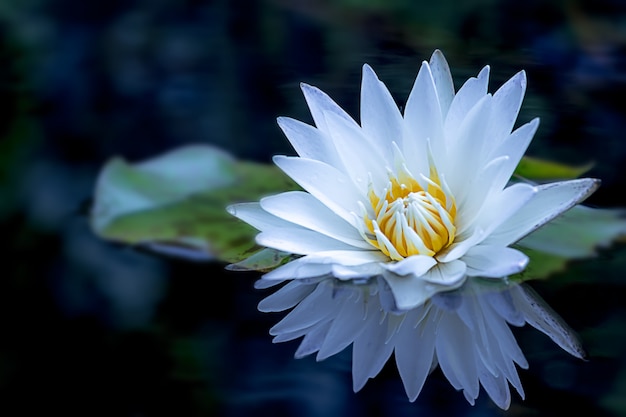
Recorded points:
(465, 332)
(406, 230)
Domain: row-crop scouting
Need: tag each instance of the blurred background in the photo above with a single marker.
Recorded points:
(91, 328)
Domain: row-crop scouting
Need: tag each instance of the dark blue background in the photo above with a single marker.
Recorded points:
(91, 328)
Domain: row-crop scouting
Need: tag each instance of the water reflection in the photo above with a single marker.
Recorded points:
(465, 332)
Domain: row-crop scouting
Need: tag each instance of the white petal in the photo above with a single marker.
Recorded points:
(549, 201)
(456, 354)
(348, 324)
(298, 269)
(506, 104)
(443, 81)
(417, 265)
(469, 147)
(313, 340)
(502, 336)
(310, 311)
(347, 257)
(423, 120)
(369, 351)
(286, 297)
(254, 215)
(497, 388)
(299, 241)
(321, 263)
(305, 210)
(310, 142)
(497, 211)
(343, 272)
(465, 99)
(330, 186)
(319, 103)
(503, 304)
(448, 273)
(414, 353)
(514, 146)
(361, 158)
(380, 117)
(263, 284)
(494, 261)
(411, 291)
(539, 315)
(478, 191)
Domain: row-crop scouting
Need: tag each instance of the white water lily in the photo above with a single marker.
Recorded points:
(422, 199)
(466, 331)
(418, 204)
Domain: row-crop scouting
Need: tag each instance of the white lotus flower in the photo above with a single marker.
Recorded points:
(418, 204)
(464, 331)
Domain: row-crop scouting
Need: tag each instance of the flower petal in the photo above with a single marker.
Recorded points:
(506, 105)
(455, 352)
(549, 201)
(539, 315)
(494, 213)
(465, 99)
(298, 269)
(358, 154)
(320, 263)
(254, 215)
(443, 81)
(380, 117)
(363, 271)
(468, 148)
(478, 191)
(286, 297)
(494, 261)
(411, 291)
(414, 351)
(310, 142)
(514, 147)
(330, 186)
(299, 241)
(305, 210)
(416, 265)
(449, 273)
(313, 309)
(422, 120)
(348, 324)
(370, 351)
(319, 103)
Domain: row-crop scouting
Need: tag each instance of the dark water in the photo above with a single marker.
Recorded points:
(91, 328)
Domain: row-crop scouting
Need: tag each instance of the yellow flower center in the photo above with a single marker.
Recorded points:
(409, 219)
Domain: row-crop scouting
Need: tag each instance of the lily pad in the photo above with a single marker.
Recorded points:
(536, 169)
(541, 265)
(175, 203)
(576, 234)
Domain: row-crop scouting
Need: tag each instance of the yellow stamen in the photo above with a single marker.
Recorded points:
(408, 219)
